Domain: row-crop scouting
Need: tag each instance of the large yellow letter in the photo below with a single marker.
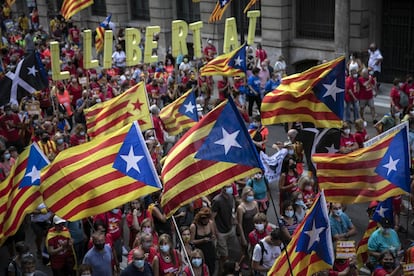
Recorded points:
(55, 60)
(150, 44)
(230, 35)
(107, 54)
(179, 37)
(196, 29)
(132, 50)
(88, 62)
(252, 15)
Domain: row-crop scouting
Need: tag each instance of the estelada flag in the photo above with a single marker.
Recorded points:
(213, 153)
(314, 96)
(100, 175)
(230, 64)
(71, 7)
(130, 106)
(219, 10)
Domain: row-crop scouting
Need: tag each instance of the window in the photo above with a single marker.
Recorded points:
(315, 19)
(242, 20)
(188, 11)
(99, 8)
(140, 10)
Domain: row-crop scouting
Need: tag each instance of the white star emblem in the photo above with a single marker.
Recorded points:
(189, 107)
(17, 81)
(238, 61)
(132, 160)
(229, 140)
(34, 174)
(314, 234)
(331, 149)
(381, 211)
(391, 165)
(32, 71)
(224, 2)
(332, 90)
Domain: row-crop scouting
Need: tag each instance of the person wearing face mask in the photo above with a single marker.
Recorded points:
(145, 242)
(341, 225)
(168, 260)
(260, 231)
(60, 143)
(351, 96)
(29, 267)
(246, 211)
(79, 136)
(388, 121)
(266, 252)
(347, 141)
(367, 87)
(361, 134)
(288, 182)
(384, 238)
(199, 268)
(10, 124)
(6, 162)
(299, 206)
(186, 247)
(100, 256)
(288, 218)
(135, 217)
(203, 235)
(48, 146)
(307, 189)
(259, 184)
(388, 265)
(375, 60)
(139, 265)
(84, 270)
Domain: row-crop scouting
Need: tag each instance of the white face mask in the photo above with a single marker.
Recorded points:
(289, 213)
(229, 190)
(365, 124)
(355, 76)
(397, 114)
(291, 152)
(347, 131)
(259, 226)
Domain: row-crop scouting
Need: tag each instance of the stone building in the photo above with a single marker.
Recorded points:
(304, 31)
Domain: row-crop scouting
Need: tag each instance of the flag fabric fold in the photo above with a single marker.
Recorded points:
(20, 194)
(310, 249)
(219, 10)
(314, 96)
(362, 248)
(213, 153)
(180, 114)
(230, 64)
(100, 33)
(376, 172)
(30, 76)
(10, 2)
(249, 5)
(130, 106)
(71, 7)
(100, 175)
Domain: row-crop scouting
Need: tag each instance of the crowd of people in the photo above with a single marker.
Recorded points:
(210, 227)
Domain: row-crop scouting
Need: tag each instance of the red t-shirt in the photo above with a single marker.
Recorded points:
(113, 222)
(361, 137)
(149, 256)
(395, 96)
(76, 92)
(366, 88)
(77, 139)
(220, 85)
(158, 127)
(9, 123)
(350, 84)
(55, 239)
(347, 141)
(255, 236)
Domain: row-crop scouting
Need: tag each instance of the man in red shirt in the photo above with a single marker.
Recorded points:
(10, 124)
(74, 35)
(366, 94)
(351, 96)
(209, 51)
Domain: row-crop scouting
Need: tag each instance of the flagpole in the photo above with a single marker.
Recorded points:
(183, 246)
(277, 219)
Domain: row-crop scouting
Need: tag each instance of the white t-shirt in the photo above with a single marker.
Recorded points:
(119, 58)
(270, 254)
(373, 58)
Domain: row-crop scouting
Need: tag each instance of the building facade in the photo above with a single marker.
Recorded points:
(303, 31)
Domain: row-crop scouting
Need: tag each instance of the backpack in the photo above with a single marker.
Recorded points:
(403, 98)
(261, 259)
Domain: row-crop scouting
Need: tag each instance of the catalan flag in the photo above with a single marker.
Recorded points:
(100, 33)
(110, 115)
(384, 209)
(310, 249)
(21, 192)
(219, 10)
(249, 5)
(100, 175)
(213, 153)
(376, 172)
(230, 64)
(10, 2)
(71, 7)
(362, 248)
(180, 114)
(314, 96)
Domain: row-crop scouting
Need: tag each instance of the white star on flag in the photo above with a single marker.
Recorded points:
(238, 61)
(132, 160)
(34, 174)
(229, 140)
(314, 234)
(189, 107)
(331, 149)
(16, 81)
(382, 211)
(332, 90)
(32, 71)
(391, 165)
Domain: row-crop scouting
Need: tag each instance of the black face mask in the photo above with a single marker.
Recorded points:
(45, 139)
(99, 246)
(388, 265)
(292, 167)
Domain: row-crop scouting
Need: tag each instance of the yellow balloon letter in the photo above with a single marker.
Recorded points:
(132, 51)
(179, 37)
(230, 35)
(252, 15)
(55, 60)
(88, 62)
(107, 54)
(150, 44)
(196, 29)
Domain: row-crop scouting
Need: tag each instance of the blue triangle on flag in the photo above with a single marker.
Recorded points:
(238, 61)
(134, 160)
(331, 89)
(395, 164)
(384, 210)
(229, 141)
(189, 107)
(36, 161)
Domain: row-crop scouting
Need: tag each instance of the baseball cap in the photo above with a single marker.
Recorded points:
(58, 220)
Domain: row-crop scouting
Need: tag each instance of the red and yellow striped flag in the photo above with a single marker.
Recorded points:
(362, 249)
(71, 7)
(100, 175)
(376, 172)
(180, 114)
(249, 5)
(230, 64)
(10, 2)
(315, 96)
(219, 10)
(99, 38)
(132, 105)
